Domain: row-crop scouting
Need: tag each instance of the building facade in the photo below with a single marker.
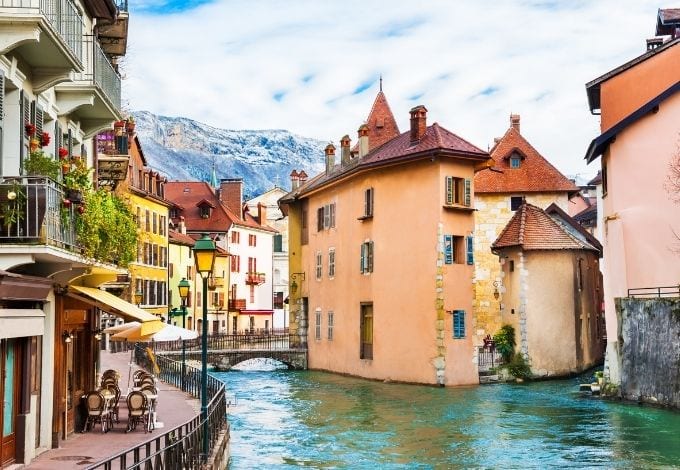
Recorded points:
(639, 103)
(381, 255)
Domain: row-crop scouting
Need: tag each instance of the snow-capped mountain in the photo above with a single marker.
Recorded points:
(183, 149)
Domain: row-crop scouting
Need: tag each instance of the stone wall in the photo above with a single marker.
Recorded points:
(649, 344)
(492, 214)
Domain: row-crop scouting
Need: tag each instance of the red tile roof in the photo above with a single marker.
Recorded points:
(535, 173)
(191, 194)
(382, 126)
(531, 228)
(180, 238)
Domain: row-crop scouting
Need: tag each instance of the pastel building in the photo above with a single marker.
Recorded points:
(639, 107)
(380, 248)
(518, 174)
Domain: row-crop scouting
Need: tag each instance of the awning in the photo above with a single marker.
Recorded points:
(117, 306)
(18, 322)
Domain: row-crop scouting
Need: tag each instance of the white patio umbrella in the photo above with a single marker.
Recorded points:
(166, 333)
(121, 327)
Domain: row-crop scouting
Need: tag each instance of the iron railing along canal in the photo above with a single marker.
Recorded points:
(667, 291)
(217, 342)
(180, 447)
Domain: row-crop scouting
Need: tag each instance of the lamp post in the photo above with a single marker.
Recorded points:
(183, 288)
(204, 257)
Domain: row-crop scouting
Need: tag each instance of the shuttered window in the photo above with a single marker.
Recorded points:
(458, 191)
(469, 249)
(366, 261)
(459, 323)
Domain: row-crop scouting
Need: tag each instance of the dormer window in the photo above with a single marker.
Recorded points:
(205, 211)
(205, 208)
(515, 161)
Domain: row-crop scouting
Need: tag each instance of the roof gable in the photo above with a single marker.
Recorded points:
(535, 173)
(531, 228)
(382, 126)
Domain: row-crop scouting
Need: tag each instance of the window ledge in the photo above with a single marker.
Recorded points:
(365, 217)
(458, 207)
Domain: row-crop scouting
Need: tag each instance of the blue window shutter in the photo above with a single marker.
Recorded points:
(448, 249)
(470, 245)
(459, 323)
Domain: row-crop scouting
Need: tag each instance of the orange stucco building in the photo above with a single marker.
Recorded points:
(640, 106)
(381, 255)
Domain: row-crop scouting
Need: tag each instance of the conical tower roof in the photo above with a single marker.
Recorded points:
(381, 123)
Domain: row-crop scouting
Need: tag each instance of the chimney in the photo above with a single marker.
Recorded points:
(182, 226)
(262, 213)
(653, 43)
(344, 145)
(303, 177)
(294, 180)
(418, 123)
(514, 121)
(231, 194)
(363, 141)
(329, 151)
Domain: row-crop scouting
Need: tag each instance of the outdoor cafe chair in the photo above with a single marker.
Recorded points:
(138, 411)
(97, 411)
(113, 404)
(147, 380)
(111, 373)
(105, 382)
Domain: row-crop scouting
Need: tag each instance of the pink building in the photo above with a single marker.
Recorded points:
(381, 254)
(639, 103)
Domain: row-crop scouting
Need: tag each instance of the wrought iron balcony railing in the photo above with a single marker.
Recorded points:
(32, 211)
(237, 304)
(98, 70)
(255, 279)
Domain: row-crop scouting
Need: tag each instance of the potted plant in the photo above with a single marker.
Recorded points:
(77, 180)
(130, 125)
(13, 208)
(39, 163)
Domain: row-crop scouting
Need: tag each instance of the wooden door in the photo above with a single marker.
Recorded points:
(8, 394)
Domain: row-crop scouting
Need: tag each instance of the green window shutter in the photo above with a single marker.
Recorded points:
(332, 215)
(449, 190)
(448, 249)
(468, 193)
(278, 243)
(469, 249)
(369, 255)
(362, 264)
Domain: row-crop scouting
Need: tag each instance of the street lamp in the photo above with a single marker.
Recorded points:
(204, 257)
(183, 288)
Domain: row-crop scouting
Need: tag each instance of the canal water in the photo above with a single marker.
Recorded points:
(285, 419)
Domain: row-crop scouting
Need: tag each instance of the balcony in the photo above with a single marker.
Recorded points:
(255, 279)
(113, 35)
(48, 36)
(237, 304)
(94, 94)
(215, 282)
(32, 213)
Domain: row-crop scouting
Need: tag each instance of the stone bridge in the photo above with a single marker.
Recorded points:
(225, 351)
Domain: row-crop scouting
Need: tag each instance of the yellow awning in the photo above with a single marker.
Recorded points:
(117, 306)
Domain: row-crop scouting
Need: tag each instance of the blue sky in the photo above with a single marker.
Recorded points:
(313, 66)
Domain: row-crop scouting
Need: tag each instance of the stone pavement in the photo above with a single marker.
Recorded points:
(80, 450)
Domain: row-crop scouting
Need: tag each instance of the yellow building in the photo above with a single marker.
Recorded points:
(145, 189)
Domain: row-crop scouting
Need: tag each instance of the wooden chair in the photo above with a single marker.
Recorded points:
(97, 411)
(138, 411)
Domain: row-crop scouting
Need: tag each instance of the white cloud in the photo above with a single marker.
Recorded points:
(295, 65)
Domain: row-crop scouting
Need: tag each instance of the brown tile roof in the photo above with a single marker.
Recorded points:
(382, 126)
(535, 173)
(531, 228)
(179, 238)
(436, 140)
(667, 21)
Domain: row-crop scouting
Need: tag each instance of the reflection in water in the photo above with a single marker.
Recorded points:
(289, 419)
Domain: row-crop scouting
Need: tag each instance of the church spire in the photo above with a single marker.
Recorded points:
(213, 175)
(381, 123)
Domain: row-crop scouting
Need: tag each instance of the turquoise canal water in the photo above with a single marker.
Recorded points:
(308, 419)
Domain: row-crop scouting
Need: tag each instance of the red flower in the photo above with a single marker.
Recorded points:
(45, 139)
(63, 153)
(30, 129)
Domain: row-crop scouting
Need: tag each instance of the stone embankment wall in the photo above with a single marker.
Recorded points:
(649, 342)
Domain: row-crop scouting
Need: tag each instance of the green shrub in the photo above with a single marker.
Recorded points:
(505, 342)
(518, 367)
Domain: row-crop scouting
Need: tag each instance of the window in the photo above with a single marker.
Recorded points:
(511, 268)
(252, 265)
(319, 265)
(154, 227)
(458, 191)
(469, 250)
(367, 257)
(459, 323)
(278, 243)
(317, 324)
(331, 262)
(330, 325)
(278, 300)
(252, 293)
(453, 249)
(368, 202)
(252, 240)
(147, 221)
(579, 273)
(235, 263)
(366, 332)
(325, 217)
(604, 177)
(515, 161)
(204, 211)
(235, 237)
(516, 202)
(139, 217)
(304, 235)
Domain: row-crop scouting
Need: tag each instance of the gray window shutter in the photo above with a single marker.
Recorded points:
(468, 193)
(24, 118)
(362, 263)
(39, 120)
(2, 111)
(449, 190)
(57, 138)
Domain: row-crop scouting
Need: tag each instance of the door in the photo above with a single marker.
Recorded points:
(8, 395)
